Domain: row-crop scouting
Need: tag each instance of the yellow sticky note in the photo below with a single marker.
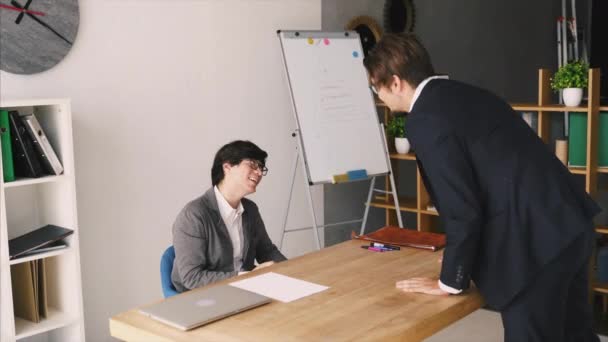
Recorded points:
(339, 178)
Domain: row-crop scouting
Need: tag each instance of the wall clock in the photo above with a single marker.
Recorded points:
(35, 35)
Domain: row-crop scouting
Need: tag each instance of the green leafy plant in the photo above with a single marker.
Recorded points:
(572, 75)
(396, 127)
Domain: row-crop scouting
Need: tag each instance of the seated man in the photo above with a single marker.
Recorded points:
(219, 234)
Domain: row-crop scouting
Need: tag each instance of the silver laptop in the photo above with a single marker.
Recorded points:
(198, 307)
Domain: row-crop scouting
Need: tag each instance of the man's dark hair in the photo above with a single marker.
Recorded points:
(233, 153)
(399, 54)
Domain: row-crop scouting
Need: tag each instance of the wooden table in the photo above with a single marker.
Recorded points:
(361, 303)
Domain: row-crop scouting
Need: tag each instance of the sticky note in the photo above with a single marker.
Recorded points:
(339, 178)
(357, 174)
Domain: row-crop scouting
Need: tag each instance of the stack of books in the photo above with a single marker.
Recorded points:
(26, 151)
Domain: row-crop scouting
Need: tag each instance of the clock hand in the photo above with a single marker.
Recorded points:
(21, 10)
(16, 4)
(20, 17)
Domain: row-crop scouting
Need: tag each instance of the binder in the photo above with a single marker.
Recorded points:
(38, 238)
(25, 160)
(30, 293)
(42, 145)
(7, 151)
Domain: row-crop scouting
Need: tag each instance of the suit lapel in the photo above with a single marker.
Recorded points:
(246, 234)
(217, 217)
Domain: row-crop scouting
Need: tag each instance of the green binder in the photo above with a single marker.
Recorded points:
(602, 158)
(577, 146)
(7, 152)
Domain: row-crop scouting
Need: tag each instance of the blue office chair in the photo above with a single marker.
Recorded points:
(166, 266)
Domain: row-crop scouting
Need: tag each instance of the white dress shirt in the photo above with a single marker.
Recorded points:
(417, 92)
(233, 219)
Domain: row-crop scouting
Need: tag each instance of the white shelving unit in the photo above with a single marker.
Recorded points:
(28, 204)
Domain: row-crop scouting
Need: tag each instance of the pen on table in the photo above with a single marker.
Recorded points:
(381, 245)
(375, 249)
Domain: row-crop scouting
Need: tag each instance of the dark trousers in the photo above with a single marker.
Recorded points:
(555, 308)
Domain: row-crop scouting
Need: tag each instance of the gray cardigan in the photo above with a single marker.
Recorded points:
(203, 249)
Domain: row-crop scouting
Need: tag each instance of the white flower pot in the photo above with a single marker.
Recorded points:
(572, 96)
(402, 145)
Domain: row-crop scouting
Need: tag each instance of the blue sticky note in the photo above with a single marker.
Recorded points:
(357, 174)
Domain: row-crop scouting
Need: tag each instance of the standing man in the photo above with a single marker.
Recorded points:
(516, 222)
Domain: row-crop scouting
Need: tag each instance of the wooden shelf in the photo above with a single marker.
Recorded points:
(429, 212)
(602, 229)
(405, 204)
(55, 319)
(407, 156)
(600, 287)
(532, 107)
(581, 170)
(604, 109)
(577, 170)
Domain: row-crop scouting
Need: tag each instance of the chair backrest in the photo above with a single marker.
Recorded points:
(166, 266)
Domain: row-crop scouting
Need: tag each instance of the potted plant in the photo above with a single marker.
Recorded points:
(396, 129)
(571, 79)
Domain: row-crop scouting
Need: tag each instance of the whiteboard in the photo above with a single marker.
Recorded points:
(334, 107)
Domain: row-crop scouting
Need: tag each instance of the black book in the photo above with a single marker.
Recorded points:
(38, 238)
(25, 158)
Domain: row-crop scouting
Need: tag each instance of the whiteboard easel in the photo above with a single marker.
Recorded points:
(332, 102)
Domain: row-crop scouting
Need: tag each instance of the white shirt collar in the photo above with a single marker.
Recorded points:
(228, 212)
(421, 86)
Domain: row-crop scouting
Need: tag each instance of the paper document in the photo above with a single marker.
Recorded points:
(279, 287)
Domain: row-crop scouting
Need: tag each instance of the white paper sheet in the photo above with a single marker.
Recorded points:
(279, 287)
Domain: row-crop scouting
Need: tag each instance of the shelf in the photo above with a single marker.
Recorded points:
(30, 181)
(55, 319)
(604, 109)
(407, 156)
(600, 287)
(405, 204)
(532, 107)
(602, 229)
(429, 212)
(578, 170)
(39, 256)
(581, 170)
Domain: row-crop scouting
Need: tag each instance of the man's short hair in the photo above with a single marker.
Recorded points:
(399, 54)
(234, 153)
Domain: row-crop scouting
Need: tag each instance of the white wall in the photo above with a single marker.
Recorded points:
(157, 87)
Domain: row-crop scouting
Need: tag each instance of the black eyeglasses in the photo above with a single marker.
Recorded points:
(256, 165)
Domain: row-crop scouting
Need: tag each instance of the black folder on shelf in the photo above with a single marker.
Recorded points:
(25, 158)
(47, 154)
(38, 238)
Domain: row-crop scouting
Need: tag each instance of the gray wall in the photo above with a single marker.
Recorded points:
(493, 44)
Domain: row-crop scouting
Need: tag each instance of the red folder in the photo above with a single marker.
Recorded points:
(404, 237)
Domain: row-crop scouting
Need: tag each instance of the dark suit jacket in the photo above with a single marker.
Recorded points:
(507, 204)
(203, 249)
